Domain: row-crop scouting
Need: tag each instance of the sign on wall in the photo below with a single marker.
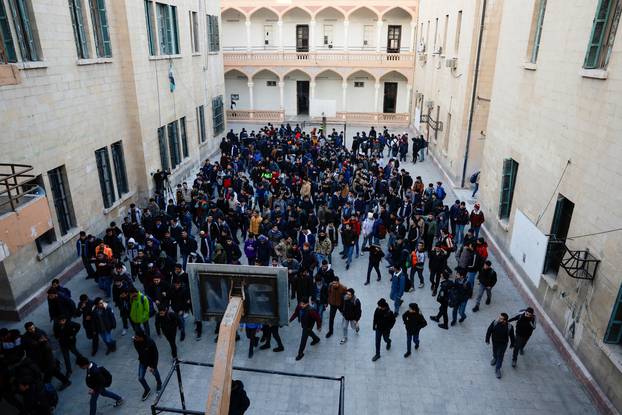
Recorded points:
(528, 246)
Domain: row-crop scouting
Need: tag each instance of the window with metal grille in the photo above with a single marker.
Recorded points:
(100, 28)
(270, 83)
(508, 181)
(118, 159)
(184, 138)
(7, 49)
(359, 84)
(201, 123)
(62, 199)
(614, 329)
(213, 33)
(163, 148)
(25, 29)
(151, 28)
(603, 34)
(218, 117)
(105, 176)
(167, 26)
(194, 32)
(173, 144)
(79, 32)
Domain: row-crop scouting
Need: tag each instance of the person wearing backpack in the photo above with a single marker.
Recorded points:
(413, 322)
(98, 378)
(462, 219)
(141, 309)
(440, 191)
(375, 257)
(443, 299)
(501, 333)
(474, 179)
(398, 287)
(351, 312)
(384, 320)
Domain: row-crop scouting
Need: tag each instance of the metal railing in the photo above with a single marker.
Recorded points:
(13, 177)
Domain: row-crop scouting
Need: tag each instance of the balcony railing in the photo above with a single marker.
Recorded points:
(255, 115)
(319, 58)
(397, 119)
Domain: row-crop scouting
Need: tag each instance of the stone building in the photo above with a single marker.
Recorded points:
(352, 61)
(455, 67)
(95, 96)
(551, 173)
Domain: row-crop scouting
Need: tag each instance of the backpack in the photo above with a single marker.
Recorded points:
(440, 193)
(473, 178)
(51, 395)
(106, 376)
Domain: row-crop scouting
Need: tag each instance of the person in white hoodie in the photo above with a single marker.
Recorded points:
(367, 230)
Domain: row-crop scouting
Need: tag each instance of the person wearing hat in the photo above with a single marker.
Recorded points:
(477, 219)
(384, 320)
(351, 312)
(525, 325)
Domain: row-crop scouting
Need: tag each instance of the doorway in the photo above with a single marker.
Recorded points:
(302, 38)
(267, 35)
(302, 97)
(556, 247)
(390, 97)
(394, 38)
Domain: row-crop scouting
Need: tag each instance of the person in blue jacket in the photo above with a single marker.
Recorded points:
(398, 286)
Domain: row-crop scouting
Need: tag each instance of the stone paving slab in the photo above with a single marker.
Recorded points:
(449, 374)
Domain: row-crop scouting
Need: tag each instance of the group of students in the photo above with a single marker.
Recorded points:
(278, 197)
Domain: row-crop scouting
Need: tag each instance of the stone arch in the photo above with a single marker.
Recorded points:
(407, 76)
(243, 72)
(323, 71)
(301, 8)
(390, 9)
(266, 8)
(324, 8)
(259, 70)
(292, 70)
(354, 71)
(374, 11)
(233, 8)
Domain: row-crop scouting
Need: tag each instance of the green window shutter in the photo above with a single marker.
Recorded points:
(150, 27)
(216, 35)
(5, 35)
(105, 176)
(30, 50)
(77, 20)
(162, 13)
(19, 31)
(538, 35)
(599, 27)
(163, 149)
(201, 122)
(103, 21)
(118, 160)
(614, 329)
(174, 31)
(184, 138)
(173, 144)
(508, 180)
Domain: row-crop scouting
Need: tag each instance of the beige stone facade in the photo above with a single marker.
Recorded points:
(561, 123)
(447, 71)
(58, 109)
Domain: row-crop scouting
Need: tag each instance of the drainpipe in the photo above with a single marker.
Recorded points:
(474, 94)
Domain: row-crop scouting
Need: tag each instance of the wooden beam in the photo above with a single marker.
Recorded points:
(220, 387)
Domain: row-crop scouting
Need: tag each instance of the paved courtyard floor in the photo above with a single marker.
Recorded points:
(449, 374)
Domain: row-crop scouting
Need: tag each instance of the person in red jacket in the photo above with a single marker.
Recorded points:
(477, 219)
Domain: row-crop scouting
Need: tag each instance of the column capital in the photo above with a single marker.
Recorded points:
(312, 84)
(344, 84)
(377, 85)
(281, 84)
(280, 22)
(247, 22)
(413, 23)
(379, 22)
(250, 84)
(312, 21)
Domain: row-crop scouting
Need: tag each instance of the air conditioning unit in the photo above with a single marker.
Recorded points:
(438, 50)
(451, 63)
(423, 57)
(421, 47)
(429, 104)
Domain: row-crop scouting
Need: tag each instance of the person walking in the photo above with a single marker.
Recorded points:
(147, 361)
(437, 265)
(104, 322)
(501, 333)
(443, 299)
(140, 311)
(269, 331)
(251, 334)
(98, 379)
(384, 320)
(398, 286)
(167, 322)
(37, 347)
(351, 312)
(65, 332)
(418, 257)
(413, 322)
(307, 317)
(375, 257)
(459, 295)
(336, 292)
(525, 325)
(477, 219)
(487, 279)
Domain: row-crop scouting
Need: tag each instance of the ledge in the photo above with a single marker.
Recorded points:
(53, 247)
(196, 53)
(32, 65)
(504, 224)
(530, 66)
(164, 57)
(550, 281)
(119, 202)
(594, 73)
(93, 61)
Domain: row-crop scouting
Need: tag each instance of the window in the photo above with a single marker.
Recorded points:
(151, 29)
(62, 199)
(163, 148)
(359, 84)
(218, 118)
(7, 50)
(458, 29)
(173, 144)
(100, 28)
(118, 159)
(194, 32)
(105, 176)
(25, 29)
(270, 83)
(444, 45)
(167, 22)
(368, 35)
(603, 34)
(201, 123)
(510, 168)
(435, 34)
(536, 30)
(79, 32)
(184, 138)
(45, 239)
(212, 33)
(614, 329)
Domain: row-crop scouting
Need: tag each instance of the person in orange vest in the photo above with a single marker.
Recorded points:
(104, 249)
(417, 258)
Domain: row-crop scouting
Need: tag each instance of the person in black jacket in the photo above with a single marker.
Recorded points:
(85, 309)
(38, 348)
(375, 257)
(238, 401)
(104, 322)
(437, 264)
(121, 297)
(180, 305)
(303, 285)
(443, 299)
(307, 317)
(525, 325)
(413, 322)
(166, 322)
(501, 332)
(65, 332)
(351, 312)
(59, 305)
(37, 398)
(147, 360)
(459, 296)
(97, 380)
(384, 320)
(487, 279)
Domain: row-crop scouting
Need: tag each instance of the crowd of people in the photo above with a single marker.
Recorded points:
(276, 197)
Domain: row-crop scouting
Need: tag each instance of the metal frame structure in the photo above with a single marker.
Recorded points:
(175, 369)
(13, 181)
